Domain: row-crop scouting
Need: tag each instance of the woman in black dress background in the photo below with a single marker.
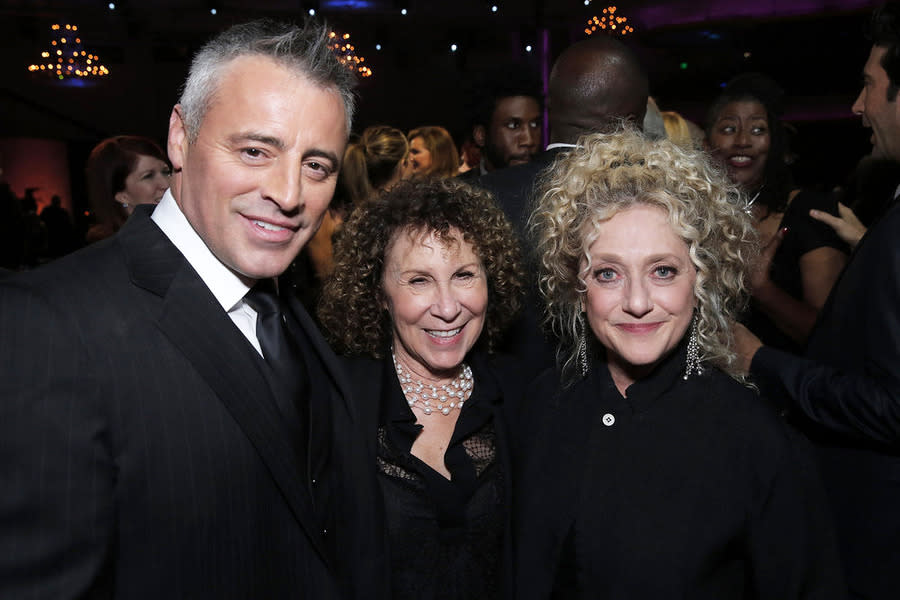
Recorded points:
(651, 469)
(802, 257)
(426, 277)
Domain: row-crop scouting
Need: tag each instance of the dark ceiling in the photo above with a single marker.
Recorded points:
(814, 48)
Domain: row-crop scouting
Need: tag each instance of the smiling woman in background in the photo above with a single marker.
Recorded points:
(792, 280)
(432, 153)
(426, 278)
(122, 172)
(651, 470)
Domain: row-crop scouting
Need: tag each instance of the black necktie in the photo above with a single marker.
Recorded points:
(288, 371)
(269, 323)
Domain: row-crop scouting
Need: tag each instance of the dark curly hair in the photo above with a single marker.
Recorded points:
(351, 309)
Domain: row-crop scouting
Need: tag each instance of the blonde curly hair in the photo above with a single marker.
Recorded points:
(611, 172)
(352, 306)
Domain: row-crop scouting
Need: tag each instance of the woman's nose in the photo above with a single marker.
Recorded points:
(637, 301)
(446, 304)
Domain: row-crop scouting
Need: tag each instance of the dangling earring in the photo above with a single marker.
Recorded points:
(582, 344)
(692, 364)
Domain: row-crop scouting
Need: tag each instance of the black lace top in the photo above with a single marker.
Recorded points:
(446, 536)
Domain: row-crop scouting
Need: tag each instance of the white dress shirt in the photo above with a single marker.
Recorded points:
(227, 287)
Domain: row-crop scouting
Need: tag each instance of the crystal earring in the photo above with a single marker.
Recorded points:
(692, 364)
(582, 344)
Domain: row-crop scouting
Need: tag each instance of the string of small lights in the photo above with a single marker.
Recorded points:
(608, 22)
(67, 57)
(346, 53)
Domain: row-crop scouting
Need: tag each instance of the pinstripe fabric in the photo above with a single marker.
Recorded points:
(141, 452)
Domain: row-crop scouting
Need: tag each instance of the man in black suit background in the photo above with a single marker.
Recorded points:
(594, 84)
(845, 392)
(160, 435)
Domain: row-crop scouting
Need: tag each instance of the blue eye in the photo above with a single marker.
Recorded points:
(605, 274)
(665, 272)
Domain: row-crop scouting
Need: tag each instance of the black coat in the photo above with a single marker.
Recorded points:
(514, 188)
(846, 395)
(142, 452)
(378, 395)
(687, 489)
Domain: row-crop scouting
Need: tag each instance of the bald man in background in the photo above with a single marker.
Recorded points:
(594, 84)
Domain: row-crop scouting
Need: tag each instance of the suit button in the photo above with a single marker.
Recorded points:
(314, 482)
(609, 420)
(324, 532)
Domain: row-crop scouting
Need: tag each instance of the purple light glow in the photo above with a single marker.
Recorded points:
(680, 12)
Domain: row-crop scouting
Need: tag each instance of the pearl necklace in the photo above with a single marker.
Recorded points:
(430, 398)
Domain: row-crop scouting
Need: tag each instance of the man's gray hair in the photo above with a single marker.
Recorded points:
(302, 49)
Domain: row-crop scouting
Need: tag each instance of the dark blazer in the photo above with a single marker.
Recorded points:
(142, 454)
(846, 395)
(372, 381)
(513, 188)
(686, 489)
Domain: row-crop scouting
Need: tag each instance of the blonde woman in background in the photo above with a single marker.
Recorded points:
(374, 162)
(432, 153)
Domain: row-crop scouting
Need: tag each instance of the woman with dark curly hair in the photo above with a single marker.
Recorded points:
(426, 277)
(802, 258)
(652, 470)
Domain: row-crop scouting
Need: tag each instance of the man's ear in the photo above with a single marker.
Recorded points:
(178, 138)
(479, 135)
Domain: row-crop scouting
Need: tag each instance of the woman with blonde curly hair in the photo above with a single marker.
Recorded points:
(652, 470)
(426, 278)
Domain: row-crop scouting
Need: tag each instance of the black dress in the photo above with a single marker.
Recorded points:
(805, 234)
(686, 489)
(446, 538)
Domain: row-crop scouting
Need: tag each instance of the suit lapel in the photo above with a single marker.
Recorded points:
(334, 370)
(328, 386)
(195, 323)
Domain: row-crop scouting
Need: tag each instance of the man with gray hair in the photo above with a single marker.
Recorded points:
(170, 427)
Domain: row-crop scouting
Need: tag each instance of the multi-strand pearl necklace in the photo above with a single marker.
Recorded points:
(430, 398)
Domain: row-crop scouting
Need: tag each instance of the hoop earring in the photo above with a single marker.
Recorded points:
(692, 362)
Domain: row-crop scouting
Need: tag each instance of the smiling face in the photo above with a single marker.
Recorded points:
(146, 184)
(740, 138)
(436, 294)
(262, 170)
(513, 134)
(879, 113)
(419, 156)
(640, 291)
